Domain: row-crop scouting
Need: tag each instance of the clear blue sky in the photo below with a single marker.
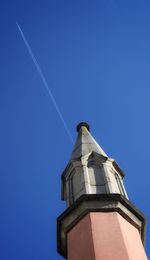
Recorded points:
(95, 56)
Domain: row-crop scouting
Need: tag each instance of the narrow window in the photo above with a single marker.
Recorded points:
(120, 186)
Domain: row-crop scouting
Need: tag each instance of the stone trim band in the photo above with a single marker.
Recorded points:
(97, 203)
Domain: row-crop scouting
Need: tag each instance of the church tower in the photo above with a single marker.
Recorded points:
(100, 222)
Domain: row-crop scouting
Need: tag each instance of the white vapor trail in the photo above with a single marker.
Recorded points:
(44, 81)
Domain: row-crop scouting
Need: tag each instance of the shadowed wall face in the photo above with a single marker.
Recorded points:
(104, 236)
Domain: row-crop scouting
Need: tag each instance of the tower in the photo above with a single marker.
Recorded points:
(100, 223)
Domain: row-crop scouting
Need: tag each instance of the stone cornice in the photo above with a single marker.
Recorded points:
(97, 203)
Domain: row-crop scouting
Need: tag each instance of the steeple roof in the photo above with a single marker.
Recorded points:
(85, 143)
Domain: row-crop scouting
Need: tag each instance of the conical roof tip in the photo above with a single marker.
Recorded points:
(83, 124)
(85, 142)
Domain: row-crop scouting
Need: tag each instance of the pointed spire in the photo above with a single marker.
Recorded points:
(85, 142)
(90, 170)
(92, 185)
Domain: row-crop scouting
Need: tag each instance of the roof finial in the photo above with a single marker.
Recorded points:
(83, 124)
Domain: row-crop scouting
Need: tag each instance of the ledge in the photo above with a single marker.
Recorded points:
(97, 203)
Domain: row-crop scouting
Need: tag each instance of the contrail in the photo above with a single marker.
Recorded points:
(44, 81)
